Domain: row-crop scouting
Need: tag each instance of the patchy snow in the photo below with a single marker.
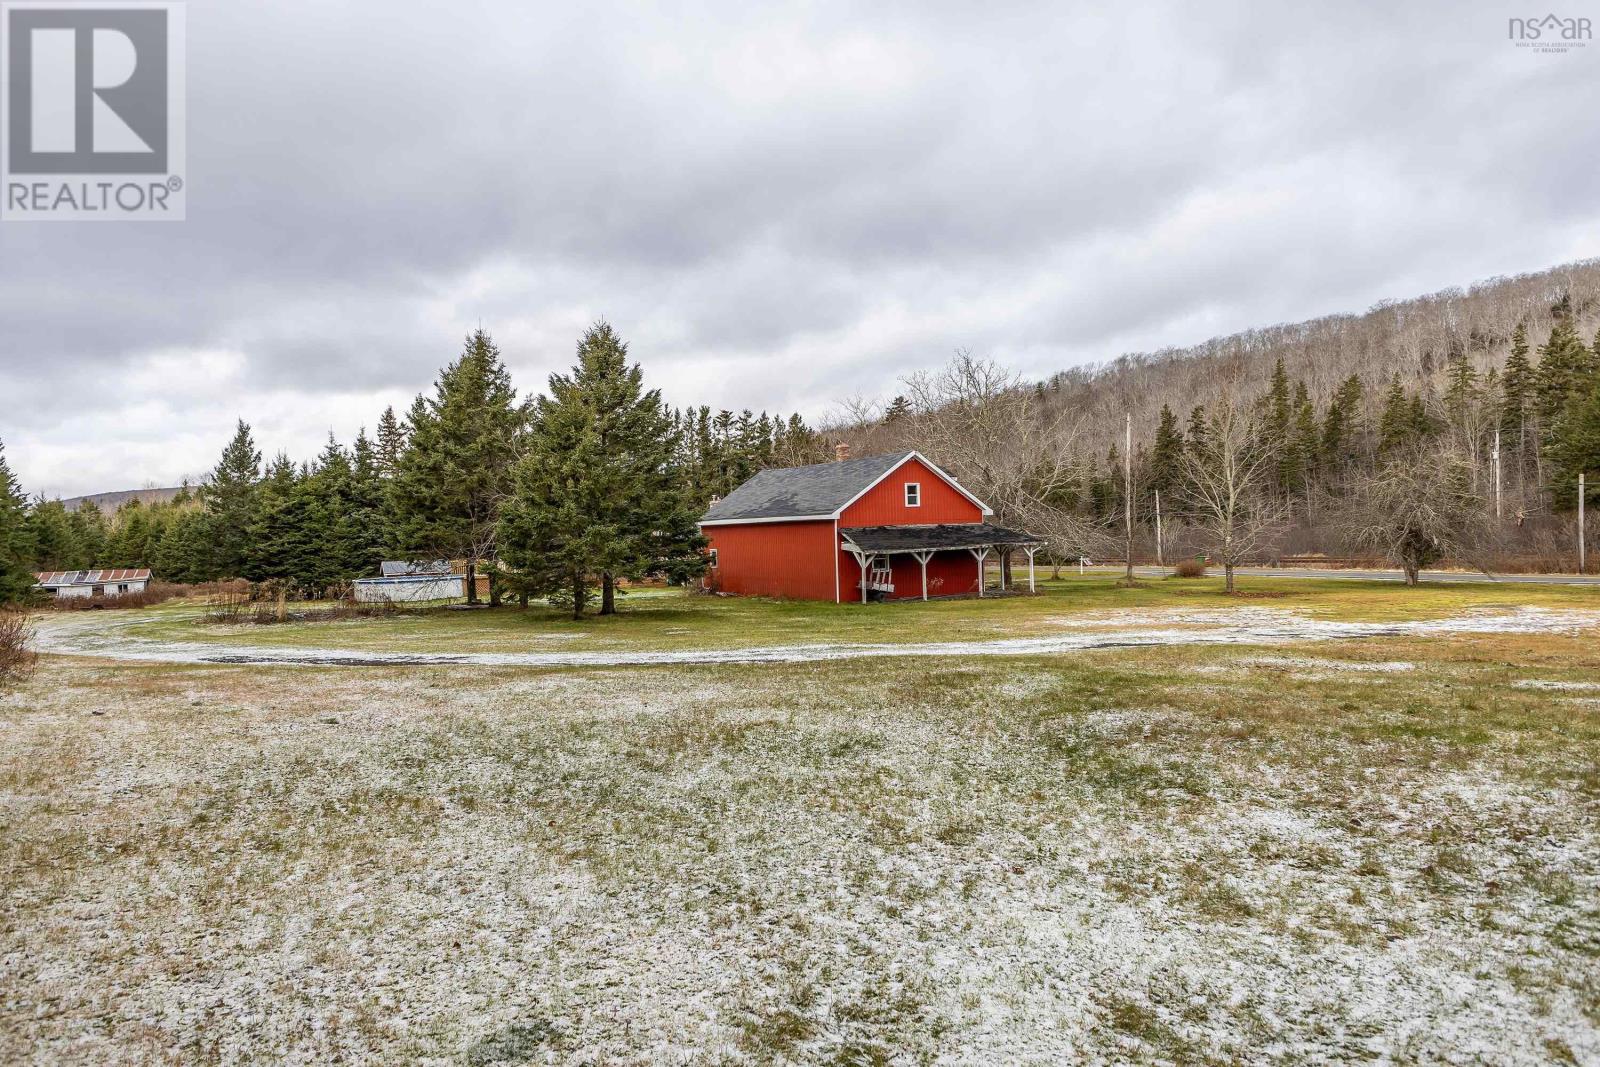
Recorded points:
(103, 637)
(1336, 665)
(664, 867)
(1563, 687)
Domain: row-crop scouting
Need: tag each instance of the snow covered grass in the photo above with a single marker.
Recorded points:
(667, 620)
(1176, 853)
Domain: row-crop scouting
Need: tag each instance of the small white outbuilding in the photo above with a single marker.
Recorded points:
(113, 582)
(400, 582)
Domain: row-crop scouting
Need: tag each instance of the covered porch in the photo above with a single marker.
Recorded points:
(875, 549)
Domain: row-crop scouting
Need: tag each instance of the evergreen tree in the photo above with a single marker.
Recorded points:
(183, 552)
(16, 541)
(55, 540)
(229, 495)
(391, 443)
(1516, 392)
(279, 528)
(594, 497)
(1341, 426)
(456, 467)
(1462, 394)
(1199, 427)
(1566, 369)
(1396, 422)
(1165, 470)
(1576, 450)
(90, 532)
(1300, 453)
(129, 544)
(899, 408)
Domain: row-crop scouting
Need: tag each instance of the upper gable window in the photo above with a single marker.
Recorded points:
(913, 494)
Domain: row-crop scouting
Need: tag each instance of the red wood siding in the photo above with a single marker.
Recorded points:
(788, 559)
(949, 574)
(885, 503)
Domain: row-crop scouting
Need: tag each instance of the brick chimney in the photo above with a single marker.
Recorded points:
(841, 452)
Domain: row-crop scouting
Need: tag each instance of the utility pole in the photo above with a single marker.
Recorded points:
(1127, 492)
(1160, 561)
(1497, 513)
(1581, 560)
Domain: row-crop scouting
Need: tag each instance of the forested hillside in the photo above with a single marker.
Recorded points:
(1331, 405)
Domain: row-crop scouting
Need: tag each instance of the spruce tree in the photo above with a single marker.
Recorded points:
(595, 498)
(183, 553)
(55, 540)
(1516, 390)
(1462, 393)
(1566, 368)
(1577, 450)
(279, 529)
(90, 532)
(1199, 427)
(1165, 471)
(899, 408)
(16, 542)
(229, 495)
(1341, 426)
(1396, 425)
(456, 467)
(1276, 426)
(391, 442)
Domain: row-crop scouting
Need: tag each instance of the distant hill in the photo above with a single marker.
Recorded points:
(1412, 338)
(110, 502)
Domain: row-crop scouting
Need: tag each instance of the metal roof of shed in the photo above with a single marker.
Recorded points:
(399, 568)
(57, 579)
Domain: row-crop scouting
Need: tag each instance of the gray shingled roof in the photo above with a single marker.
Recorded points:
(820, 489)
(933, 538)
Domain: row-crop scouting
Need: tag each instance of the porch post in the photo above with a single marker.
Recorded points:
(979, 554)
(1003, 554)
(866, 562)
(922, 558)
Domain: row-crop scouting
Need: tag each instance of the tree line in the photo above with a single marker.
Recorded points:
(557, 497)
(1478, 461)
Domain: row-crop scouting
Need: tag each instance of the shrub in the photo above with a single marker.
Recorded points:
(1189, 568)
(16, 647)
(152, 594)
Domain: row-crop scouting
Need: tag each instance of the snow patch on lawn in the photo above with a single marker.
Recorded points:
(1246, 626)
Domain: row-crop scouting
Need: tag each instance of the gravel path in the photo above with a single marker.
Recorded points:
(105, 636)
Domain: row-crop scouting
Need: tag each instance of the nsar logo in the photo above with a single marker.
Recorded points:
(1552, 33)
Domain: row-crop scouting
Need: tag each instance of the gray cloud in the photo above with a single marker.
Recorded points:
(777, 209)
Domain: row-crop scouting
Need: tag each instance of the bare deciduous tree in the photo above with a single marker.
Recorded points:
(1417, 509)
(1224, 478)
(988, 429)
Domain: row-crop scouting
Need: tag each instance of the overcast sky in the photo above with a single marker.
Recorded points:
(774, 210)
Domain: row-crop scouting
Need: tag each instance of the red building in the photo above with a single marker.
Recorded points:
(879, 527)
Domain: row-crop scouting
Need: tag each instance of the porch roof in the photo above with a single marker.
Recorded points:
(935, 538)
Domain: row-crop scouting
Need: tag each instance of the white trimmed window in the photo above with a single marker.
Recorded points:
(913, 494)
(713, 558)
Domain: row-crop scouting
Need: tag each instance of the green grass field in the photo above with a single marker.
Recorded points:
(1347, 851)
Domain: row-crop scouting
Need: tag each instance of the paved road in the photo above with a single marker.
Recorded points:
(1383, 575)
